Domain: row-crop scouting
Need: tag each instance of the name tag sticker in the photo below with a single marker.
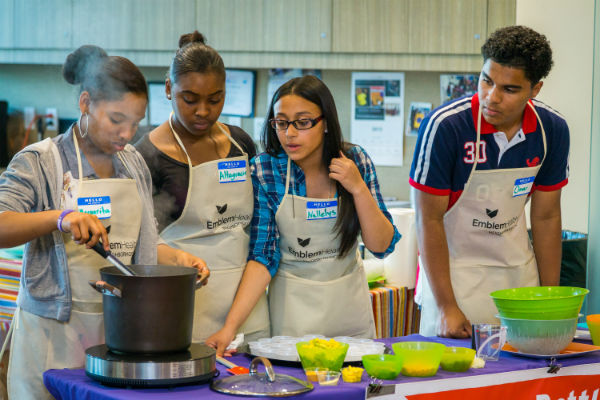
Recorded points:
(232, 171)
(321, 209)
(97, 205)
(523, 186)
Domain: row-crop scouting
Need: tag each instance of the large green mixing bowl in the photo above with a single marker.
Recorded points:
(540, 303)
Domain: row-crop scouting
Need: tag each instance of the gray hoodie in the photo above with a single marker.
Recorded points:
(33, 182)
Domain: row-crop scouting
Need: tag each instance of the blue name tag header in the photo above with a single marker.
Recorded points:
(232, 164)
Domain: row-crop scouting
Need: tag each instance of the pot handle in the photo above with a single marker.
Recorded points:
(268, 367)
(106, 288)
(201, 281)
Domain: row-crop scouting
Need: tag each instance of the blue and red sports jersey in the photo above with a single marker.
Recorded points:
(445, 149)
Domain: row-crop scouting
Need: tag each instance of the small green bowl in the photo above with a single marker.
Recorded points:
(382, 366)
(419, 358)
(541, 302)
(457, 359)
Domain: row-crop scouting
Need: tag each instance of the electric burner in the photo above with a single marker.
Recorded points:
(195, 365)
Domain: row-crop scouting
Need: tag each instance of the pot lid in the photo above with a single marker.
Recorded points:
(261, 384)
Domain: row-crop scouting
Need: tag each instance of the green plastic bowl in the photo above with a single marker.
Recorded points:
(382, 366)
(534, 336)
(419, 358)
(457, 359)
(331, 358)
(541, 302)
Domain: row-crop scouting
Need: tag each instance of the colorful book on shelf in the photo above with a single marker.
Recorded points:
(393, 311)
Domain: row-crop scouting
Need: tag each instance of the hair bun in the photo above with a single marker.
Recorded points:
(194, 37)
(79, 62)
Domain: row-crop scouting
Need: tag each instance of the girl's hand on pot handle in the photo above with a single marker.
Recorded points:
(188, 260)
(85, 229)
(345, 171)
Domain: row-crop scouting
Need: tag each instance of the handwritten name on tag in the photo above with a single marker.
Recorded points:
(321, 209)
(232, 171)
(97, 205)
(523, 186)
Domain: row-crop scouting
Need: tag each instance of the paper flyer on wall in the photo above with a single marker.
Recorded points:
(455, 86)
(418, 111)
(378, 115)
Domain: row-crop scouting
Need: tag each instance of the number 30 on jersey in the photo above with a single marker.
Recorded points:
(470, 153)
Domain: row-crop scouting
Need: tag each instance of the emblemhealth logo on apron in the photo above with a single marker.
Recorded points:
(321, 209)
(232, 171)
(523, 186)
(97, 205)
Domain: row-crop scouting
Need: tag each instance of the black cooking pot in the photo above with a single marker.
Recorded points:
(151, 312)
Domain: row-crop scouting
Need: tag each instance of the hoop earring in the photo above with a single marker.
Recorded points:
(87, 124)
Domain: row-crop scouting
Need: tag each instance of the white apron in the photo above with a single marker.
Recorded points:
(314, 292)
(488, 243)
(42, 343)
(214, 226)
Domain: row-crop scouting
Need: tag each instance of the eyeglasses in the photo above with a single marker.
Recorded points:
(300, 124)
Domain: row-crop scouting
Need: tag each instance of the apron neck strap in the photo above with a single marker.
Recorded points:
(178, 139)
(79, 167)
(287, 176)
(479, 134)
(189, 160)
(79, 163)
(176, 136)
(287, 187)
(221, 127)
(477, 140)
(543, 130)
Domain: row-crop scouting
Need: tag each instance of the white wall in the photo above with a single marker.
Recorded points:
(569, 25)
(593, 259)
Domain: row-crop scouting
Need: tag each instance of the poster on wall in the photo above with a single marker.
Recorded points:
(279, 76)
(455, 86)
(239, 86)
(418, 111)
(378, 115)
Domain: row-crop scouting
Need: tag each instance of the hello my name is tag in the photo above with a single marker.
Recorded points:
(232, 171)
(97, 205)
(321, 209)
(523, 186)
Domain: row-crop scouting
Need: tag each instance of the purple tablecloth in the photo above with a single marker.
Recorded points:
(75, 385)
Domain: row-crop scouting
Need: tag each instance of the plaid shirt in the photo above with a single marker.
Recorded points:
(268, 179)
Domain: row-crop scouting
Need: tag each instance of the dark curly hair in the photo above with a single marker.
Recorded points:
(520, 47)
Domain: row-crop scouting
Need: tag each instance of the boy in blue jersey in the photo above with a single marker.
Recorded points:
(477, 162)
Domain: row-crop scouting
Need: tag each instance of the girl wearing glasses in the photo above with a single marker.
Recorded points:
(313, 195)
(202, 189)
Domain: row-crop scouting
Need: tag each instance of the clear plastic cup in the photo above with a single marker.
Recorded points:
(329, 378)
(489, 339)
(313, 373)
